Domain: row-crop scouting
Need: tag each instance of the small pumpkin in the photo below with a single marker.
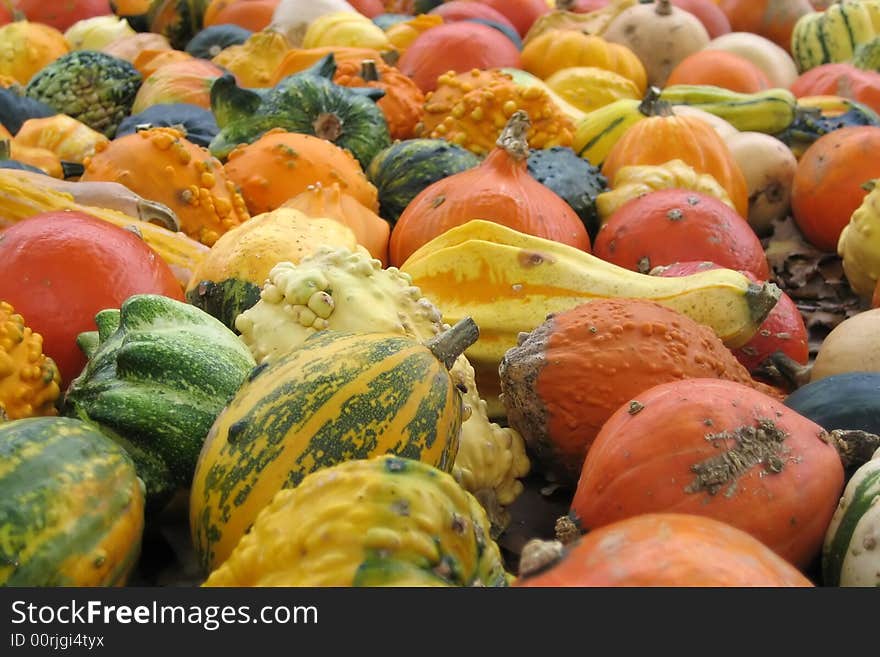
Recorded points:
(148, 61)
(162, 165)
(281, 164)
(840, 79)
(693, 550)
(253, 15)
(521, 13)
(773, 60)
(69, 139)
(370, 229)
(673, 225)
(568, 376)
(724, 450)
(771, 19)
(188, 81)
(721, 69)
(828, 181)
(859, 247)
(345, 28)
(26, 48)
(589, 87)
(851, 346)
(658, 139)
(129, 47)
(500, 189)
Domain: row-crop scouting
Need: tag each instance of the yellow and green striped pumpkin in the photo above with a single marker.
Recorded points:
(339, 396)
(830, 36)
(71, 505)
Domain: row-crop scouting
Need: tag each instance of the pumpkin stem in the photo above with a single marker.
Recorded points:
(158, 213)
(538, 555)
(451, 344)
(369, 72)
(5, 150)
(870, 185)
(663, 7)
(513, 137)
(855, 447)
(564, 5)
(328, 126)
(651, 104)
(567, 529)
(761, 299)
(792, 372)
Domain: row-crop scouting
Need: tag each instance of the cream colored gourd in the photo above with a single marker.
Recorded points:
(769, 167)
(852, 346)
(293, 17)
(724, 128)
(660, 34)
(773, 60)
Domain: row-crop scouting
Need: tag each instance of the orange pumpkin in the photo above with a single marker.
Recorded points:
(570, 374)
(521, 13)
(162, 165)
(150, 60)
(718, 449)
(840, 79)
(771, 19)
(499, 189)
(464, 46)
(370, 230)
(185, 81)
(253, 15)
(403, 102)
(129, 47)
(661, 549)
(709, 13)
(658, 139)
(280, 165)
(827, 186)
(721, 69)
(299, 59)
(674, 225)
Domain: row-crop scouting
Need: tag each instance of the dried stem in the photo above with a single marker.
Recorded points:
(513, 137)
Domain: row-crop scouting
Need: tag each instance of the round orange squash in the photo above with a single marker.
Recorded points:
(721, 69)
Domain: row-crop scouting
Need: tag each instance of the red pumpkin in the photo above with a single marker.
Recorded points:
(369, 8)
(664, 549)
(464, 46)
(771, 19)
(500, 189)
(673, 225)
(841, 79)
(253, 15)
(460, 10)
(5, 13)
(827, 186)
(719, 449)
(783, 330)
(709, 14)
(62, 14)
(522, 13)
(59, 269)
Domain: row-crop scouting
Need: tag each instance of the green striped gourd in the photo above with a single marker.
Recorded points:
(851, 552)
(71, 505)
(386, 521)
(832, 35)
(339, 396)
(159, 373)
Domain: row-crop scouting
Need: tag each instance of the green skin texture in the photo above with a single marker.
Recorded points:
(405, 168)
(92, 87)
(225, 300)
(50, 458)
(159, 373)
(809, 126)
(295, 104)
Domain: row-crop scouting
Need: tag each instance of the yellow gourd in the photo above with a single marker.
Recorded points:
(29, 380)
(343, 28)
(859, 244)
(69, 139)
(26, 47)
(401, 35)
(254, 62)
(590, 87)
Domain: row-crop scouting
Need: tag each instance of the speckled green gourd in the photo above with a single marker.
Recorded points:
(159, 373)
(386, 521)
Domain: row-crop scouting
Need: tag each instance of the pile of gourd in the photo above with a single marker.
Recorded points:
(340, 280)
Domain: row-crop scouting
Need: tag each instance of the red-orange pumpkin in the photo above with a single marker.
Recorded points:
(369, 8)
(709, 13)
(673, 225)
(771, 19)
(840, 79)
(564, 380)
(718, 449)
(522, 13)
(460, 10)
(500, 189)
(459, 46)
(253, 15)
(827, 186)
(721, 69)
(664, 137)
(61, 14)
(664, 549)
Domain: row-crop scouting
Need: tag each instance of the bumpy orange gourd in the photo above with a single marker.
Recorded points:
(280, 165)
(254, 62)
(500, 190)
(330, 201)
(558, 49)
(470, 110)
(26, 47)
(563, 382)
(29, 380)
(658, 139)
(160, 164)
(403, 102)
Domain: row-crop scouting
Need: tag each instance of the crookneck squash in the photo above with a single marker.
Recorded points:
(402, 523)
(72, 506)
(340, 396)
(159, 372)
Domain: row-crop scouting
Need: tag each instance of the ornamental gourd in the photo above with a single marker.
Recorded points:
(29, 380)
(608, 351)
(69, 139)
(832, 35)
(859, 244)
(25, 48)
(253, 63)
(357, 395)
(500, 189)
(188, 81)
(470, 110)
(724, 450)
(403, 523)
